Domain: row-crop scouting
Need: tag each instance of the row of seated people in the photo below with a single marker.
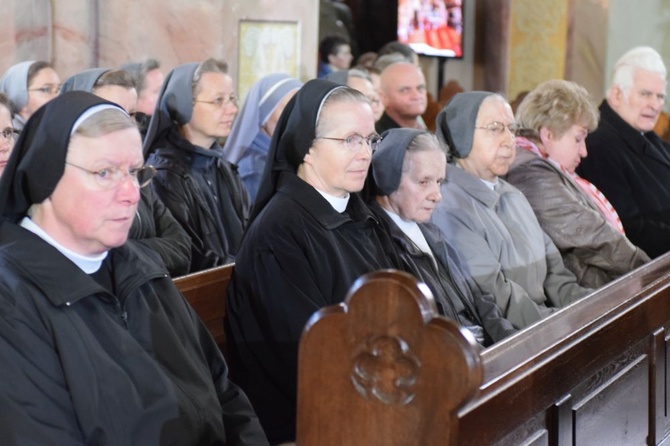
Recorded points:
(487, 261)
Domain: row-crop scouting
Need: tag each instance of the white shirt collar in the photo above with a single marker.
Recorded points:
(338, 203)
(88, 264)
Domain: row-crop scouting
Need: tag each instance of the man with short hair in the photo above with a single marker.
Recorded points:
(403, 93)
(626, 160)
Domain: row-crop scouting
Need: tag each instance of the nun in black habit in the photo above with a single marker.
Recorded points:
(198, 185)
(407, 171)
(154, 224)
(97, 345)
(310, 238)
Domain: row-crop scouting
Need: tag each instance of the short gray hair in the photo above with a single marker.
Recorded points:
(639, 58)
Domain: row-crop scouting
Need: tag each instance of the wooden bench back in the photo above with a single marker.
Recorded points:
(383, 368)
(206, 292)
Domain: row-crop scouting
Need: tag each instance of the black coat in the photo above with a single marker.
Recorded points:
(205, 194)
(633, 171)
(299, 255)
(456, 296)
(81, 365)
(155, 227)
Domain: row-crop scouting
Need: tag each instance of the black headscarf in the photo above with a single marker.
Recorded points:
(84, 80)
(174, 106)
(388, 160)
(37, 162)
(293, 136)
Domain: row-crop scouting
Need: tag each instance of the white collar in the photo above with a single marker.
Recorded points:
(88, 264)
(338, 203)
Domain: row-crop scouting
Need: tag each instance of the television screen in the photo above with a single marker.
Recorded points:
(432, 27)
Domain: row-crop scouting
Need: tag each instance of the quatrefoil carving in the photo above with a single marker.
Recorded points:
(386, 369)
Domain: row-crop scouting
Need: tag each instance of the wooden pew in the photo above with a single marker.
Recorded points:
(206, 292)
(594, 373)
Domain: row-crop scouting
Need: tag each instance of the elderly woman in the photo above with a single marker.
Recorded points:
(154, 224)
(489, 221)
(249, 139)
(29, 85)
(310, 238)
(408, 170)
(97, 344)
(555, 119)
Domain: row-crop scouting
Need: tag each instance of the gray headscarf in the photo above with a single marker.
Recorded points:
(388, 160)
(455, 124)
(14, 84)
(84, 80)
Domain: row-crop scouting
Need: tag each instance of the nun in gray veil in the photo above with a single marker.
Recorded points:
(249, 140)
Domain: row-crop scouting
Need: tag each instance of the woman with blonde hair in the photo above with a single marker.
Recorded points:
(555, 119)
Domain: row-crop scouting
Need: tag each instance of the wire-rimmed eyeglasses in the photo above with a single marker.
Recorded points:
(221, 101)
(10, 134)
(111, 177)
(354, 143)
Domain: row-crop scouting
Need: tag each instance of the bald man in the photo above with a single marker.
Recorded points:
(403, 93)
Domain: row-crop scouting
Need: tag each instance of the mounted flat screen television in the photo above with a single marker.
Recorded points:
(432, 27)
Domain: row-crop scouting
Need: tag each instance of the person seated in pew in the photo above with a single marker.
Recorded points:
(311, 236)
(554, 120)
(29, 85)
(249, 139)
(489, 221)
(148, 79)
(8, 133)
(407, 172)
(97, 345)
(196, 107)
(153, 224)
(627, 161)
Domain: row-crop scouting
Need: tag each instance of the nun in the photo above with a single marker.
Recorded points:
(153, 224)
(407, 172)
(196, 108)
(311, 236)
(249, 139)
(97, 344)
(29, 85)
(489, 221)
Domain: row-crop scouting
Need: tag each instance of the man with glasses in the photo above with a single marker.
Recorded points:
(626, 160)
(204, 192)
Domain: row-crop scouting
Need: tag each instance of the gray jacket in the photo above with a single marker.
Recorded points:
(591, 248)
(504, 249)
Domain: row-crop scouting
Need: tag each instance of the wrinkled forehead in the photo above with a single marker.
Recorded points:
(494, 108)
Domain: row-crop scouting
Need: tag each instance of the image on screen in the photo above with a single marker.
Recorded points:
(432, 27)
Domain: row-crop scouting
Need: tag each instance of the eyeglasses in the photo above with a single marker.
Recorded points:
(498, 128)
(354, 143)
(221, 102)
(10, 134)
(50, 89)
(112, 177)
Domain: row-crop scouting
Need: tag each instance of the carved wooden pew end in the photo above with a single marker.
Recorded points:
(387, 365)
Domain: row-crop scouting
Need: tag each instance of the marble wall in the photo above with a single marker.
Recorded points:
(79, 34)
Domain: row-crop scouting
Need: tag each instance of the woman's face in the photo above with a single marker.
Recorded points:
(569, 149)
(213, 109)
(43, 87)
(6, 144)
(419, 190)
(493, 144)
(329, 165)
(80, 214)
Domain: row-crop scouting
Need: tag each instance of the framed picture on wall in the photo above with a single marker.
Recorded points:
(266, 47)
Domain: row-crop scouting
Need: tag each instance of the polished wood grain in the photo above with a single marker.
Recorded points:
(372, 371)
(206, 292)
